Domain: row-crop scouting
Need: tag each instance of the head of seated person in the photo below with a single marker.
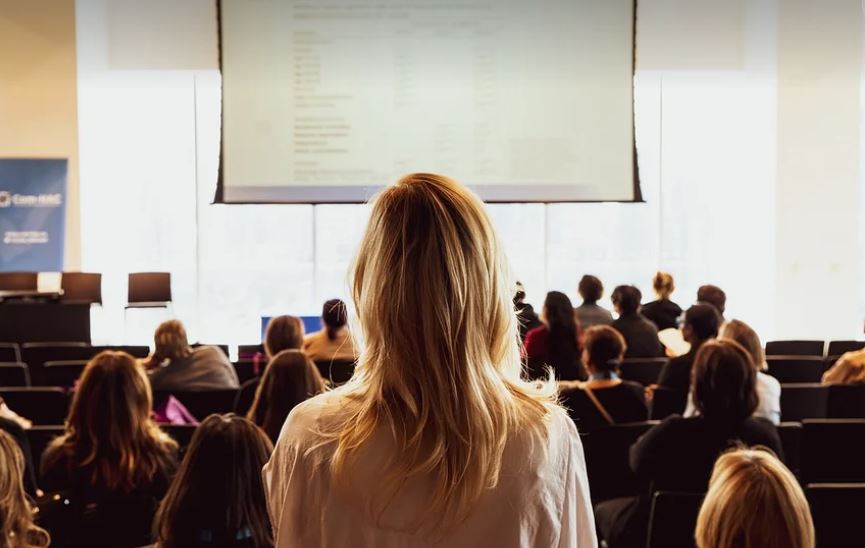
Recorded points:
(334, 316)
(754, 500)
(217, 497)
(17, 526)
(742, 333)
(626, 300)
(723, 382)
(664, 285)
(700, 324)
(603, 351)
(591, 289)
(713, 295)
(170, 344)
(283, 333)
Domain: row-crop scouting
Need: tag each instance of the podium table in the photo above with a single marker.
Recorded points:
(32, 318)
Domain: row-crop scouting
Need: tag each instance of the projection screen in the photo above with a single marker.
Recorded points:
(327, 101)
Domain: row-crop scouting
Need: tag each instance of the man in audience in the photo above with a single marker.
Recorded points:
(590, 313)
(526, 315)
(174, 365)
(713, 295)
(641, 335)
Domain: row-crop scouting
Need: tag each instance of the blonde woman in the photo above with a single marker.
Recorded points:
(753, 500)
(436, 441)
(16, 515)
(663, 312)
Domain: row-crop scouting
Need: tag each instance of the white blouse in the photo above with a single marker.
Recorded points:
(541, 500)
(768, 393)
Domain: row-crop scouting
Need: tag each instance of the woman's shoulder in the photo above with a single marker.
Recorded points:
(768, 382)
(308, 421)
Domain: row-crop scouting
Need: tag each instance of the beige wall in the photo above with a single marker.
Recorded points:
(38, 93)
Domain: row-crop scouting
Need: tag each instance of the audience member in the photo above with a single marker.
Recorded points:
(605, 398)
(333, 342)
(16, 516)
(641, 335)
(556, 343)
(436, 436)
(15, 430)
(283, 333)
(113, 462)
(754, 500)
(663, 312)
(849, 369)
(701, 323)
(590, 313)
(174, 365)
(217, 498)
(713, 295)
(290, 378)
(526, 315)
(678, 454)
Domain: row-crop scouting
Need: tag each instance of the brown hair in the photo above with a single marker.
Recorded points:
(334, 315)
(753, 500)
(16, 516)
(663, 285)
(591, 288)
(218, 493)
(289, 379)
(170, 342)
(724, 381)
(605, 347)
(739, 331)
(283, 333)
(109, 432)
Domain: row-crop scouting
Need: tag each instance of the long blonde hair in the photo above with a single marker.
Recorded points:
(739, 331)
(441, 366)
(754, 501)
(16, 516)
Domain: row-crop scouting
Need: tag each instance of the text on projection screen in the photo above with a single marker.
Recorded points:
(328, 101)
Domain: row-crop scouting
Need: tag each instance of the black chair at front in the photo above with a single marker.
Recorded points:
(642, 370)
(36, 354)
(607, 459)
(81, 287)
(336, 371)
(791, 442)
(803, 401)
(837, 348)
(666, 402)
(63, 373)
(836, 509)
(796, 369)
(833, 450)
(673, 519)
(14, 374)
(795, 348)
(846, 401)
(40, 404)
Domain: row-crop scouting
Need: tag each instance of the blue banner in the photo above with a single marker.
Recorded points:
(32, 214)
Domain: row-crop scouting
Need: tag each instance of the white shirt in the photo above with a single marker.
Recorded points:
(768, 393)
(540, 501)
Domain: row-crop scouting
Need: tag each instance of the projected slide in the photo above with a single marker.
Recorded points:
(330, 100)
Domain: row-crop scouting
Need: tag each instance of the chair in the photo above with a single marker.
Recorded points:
(836, 509)
(803, 401)
(666, 402)
(81, 287)
(246, 396)
(837, 348)
(846, 401)
(791, 442)
(40, 436)
(149, 290)
(795, 348)
(36, 354)
(181, 433)
(833, 450)
(10, 352)
(63, 373)
(673, 519)
(19, 281)
(642, 370)
(796, 369)
(336, 371)
(40, 404)
(200, 403)
(248, 351)
(136, 351)
(223, 347)
(249, 368)
(14, 374)
(607, 459)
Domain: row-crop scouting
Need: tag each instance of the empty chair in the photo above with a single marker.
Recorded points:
(803, 401)
(149, 290)
(796, 369)
(673, 519)
(642, 370)
(40, 404)
(846, 401)
(19, 281)
(14, 374)
(63, 373)
(836, 509)
(666, 402)
(136, 351)
(833, 450)
(336, 372)
(248, 351)
(791, 441)
(81, 287)
(10, 352)
(607, 459)
(36, 354)
(795, 348)
(837, 348)
(200, 403)
(249, 368)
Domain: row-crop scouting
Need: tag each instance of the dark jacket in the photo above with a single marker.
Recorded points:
(664, 313)
(625, 402)
(640, 335)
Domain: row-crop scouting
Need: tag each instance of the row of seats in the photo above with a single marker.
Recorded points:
(787, 369)
(812, 348)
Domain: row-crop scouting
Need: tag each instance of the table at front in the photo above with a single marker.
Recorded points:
(44, 322)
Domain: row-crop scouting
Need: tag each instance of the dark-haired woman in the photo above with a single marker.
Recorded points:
(334, 341)
(217, 498)
(556, 343)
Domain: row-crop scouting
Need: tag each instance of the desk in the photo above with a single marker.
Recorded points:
(35, 321)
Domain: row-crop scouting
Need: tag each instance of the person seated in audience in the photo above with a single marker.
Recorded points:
(17, 527)
(663, 312)
(556, 343)
(590, 313)
(334, 341)
(290, 378)
(605, 398)
(437, 439)
(678, 454)
(713, 295)
(754, 500)
(217, 498)
(9, 414)
(849, 369)
(174, 365)
(18, 433)
(641, 335)
(112, 462)
(701, 324)
(768, 387)
(526, 314)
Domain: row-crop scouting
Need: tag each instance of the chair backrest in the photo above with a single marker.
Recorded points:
(796, 369)
(246, 396)
(837, 348)
(833, 450)
(336, 371)
(607, 461)
(791, 441)
(249, 368)
(673, 519)
(836, 509)
(642, 370)
(19, 281)
(666, 402)
(10, 352)
(200, 403)
(149, 288)
(14, 374)
(136, 351)
(63, 373)
(81, 287)
(803, 401)
(795, 348)
(181, 433)
(36, 354)
(39, 436)
(40, 404)
(846, 401)
(223, 347)
(246, 351)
